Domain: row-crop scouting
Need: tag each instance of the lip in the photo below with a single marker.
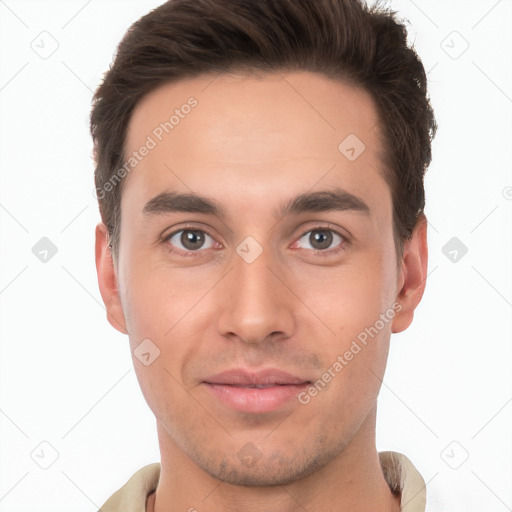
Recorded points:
(255, 392)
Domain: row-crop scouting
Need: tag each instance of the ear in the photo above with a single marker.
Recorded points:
(107, 280)
(412, 276)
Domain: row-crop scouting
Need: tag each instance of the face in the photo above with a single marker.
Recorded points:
(257, 261)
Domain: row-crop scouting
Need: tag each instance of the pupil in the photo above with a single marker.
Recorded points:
(323, 239)
(192, 239)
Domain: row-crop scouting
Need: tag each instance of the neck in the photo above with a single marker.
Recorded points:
(353, 480)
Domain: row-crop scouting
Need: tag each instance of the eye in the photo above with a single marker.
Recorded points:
(189, 240)
(321, 240)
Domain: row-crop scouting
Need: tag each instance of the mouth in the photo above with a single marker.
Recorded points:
(255, 386)
(255, 392)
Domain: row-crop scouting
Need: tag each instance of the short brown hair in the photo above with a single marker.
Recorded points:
(341, 39)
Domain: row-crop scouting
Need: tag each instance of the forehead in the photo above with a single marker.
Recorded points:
(254, 137)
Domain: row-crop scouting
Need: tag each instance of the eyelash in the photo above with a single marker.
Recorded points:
(322, 253)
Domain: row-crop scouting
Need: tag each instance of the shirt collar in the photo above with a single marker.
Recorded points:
(399, 472)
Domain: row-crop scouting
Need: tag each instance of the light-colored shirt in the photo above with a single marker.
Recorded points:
(399, 472)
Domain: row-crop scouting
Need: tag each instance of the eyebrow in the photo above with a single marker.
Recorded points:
(322, 201)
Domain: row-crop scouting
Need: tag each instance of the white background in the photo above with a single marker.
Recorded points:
(66, 376)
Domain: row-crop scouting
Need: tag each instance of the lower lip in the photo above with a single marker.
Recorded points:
(255, 400)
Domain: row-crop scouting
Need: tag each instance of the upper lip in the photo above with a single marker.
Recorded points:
(244, 377)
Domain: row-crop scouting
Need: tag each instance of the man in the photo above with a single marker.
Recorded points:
(260, 180)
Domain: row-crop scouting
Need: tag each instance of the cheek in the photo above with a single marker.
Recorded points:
(162, 391)
(356, 303)
(155, 299)
(167, 307)
(350, 298)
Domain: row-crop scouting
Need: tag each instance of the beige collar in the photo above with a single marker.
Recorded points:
(399, 471)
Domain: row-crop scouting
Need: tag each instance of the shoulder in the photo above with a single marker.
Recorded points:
(131, 497)
(403, 477)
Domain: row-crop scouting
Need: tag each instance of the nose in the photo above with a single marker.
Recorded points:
(257, 304)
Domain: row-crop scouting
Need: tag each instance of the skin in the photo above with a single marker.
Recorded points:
(252, 143)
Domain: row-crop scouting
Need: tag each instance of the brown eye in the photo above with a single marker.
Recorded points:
(320, 239)
(190, 240)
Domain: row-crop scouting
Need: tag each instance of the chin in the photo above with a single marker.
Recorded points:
(274, 470)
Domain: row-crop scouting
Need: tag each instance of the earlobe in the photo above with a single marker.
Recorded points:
(107, 280)
(412, 275)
